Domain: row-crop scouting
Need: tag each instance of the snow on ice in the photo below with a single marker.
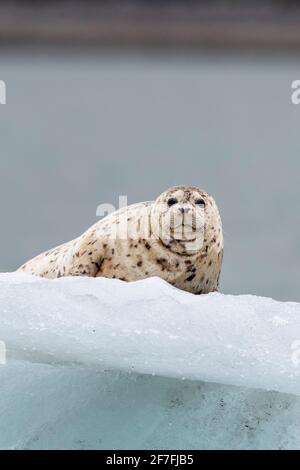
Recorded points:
(100, 363)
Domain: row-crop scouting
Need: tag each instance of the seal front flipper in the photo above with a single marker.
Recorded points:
(87, 256)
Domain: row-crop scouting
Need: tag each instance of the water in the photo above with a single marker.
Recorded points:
(80, 130)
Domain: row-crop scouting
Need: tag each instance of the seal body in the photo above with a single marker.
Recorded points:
(178, 238)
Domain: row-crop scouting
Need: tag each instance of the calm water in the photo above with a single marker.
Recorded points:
(79, 131)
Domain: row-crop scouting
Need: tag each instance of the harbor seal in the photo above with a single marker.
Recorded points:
(178, 237)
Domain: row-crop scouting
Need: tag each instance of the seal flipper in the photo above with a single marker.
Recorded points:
(87, 257)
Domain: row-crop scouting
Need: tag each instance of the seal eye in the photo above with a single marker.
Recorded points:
(200, 202)
(172, 201)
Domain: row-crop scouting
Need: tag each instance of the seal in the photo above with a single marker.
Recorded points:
(178, 237)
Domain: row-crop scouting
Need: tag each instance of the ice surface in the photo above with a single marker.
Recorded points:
(99, 363)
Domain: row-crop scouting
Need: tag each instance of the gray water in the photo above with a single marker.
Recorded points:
(81, 130)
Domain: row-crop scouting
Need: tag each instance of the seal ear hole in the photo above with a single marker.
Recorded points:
(172, 201)
(200, 202)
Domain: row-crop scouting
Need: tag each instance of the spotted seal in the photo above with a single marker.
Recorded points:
(178, 237)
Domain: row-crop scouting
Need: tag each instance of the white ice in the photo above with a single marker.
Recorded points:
(98, 363)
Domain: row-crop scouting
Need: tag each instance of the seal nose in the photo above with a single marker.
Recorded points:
(184, 210)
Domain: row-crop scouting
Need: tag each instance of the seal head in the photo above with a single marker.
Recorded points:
(178, 218)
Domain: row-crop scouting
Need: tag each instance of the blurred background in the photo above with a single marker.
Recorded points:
(109, 98)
